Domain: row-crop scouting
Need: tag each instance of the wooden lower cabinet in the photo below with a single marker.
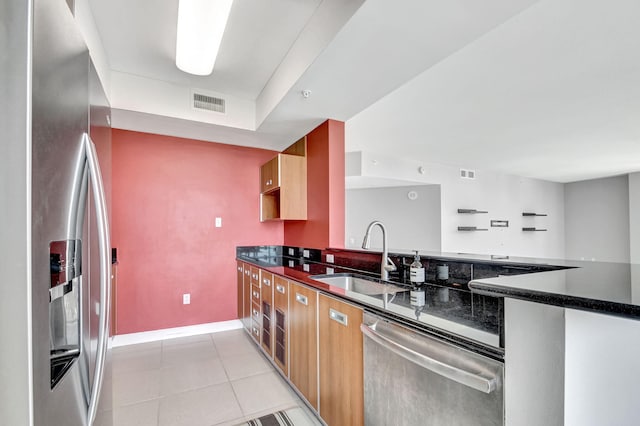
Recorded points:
(303, 341)
(341, 362)
(266, 280)
(246, 299)
(240, 282)
(281, 324)
(315, 340)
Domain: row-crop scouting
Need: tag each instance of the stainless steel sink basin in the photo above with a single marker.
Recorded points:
(357, 284)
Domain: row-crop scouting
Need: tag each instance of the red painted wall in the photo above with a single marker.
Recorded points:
(166, 194)
(324, 226)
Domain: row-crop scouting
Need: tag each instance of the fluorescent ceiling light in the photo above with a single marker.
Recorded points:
(201, 24)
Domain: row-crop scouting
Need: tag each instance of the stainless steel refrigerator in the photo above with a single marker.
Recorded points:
(54, 228)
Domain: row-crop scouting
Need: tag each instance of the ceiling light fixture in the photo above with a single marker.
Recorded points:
(201, 24)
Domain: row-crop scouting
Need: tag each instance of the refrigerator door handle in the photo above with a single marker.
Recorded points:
(105, 273)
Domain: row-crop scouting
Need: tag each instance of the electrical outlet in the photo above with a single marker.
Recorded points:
(186, 299)
(305, 253)
(218, 222)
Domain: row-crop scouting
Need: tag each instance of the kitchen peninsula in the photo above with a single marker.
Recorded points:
(550, 321)
(571, 343)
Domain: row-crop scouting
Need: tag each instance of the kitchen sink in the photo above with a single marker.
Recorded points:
(358, 284)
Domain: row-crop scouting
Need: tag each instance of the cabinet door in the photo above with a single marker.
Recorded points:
(246, 298)
(303, 341)
(281, 326)
(240, 283)
(266, 280)
(255, 314)
(270, 174)
(341, 362)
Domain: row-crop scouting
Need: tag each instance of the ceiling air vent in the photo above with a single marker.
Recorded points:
(208, 103)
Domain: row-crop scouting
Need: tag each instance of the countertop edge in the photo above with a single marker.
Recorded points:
(487, 288)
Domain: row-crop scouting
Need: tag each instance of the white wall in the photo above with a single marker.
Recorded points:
(597, 219)
(87, 26)
(634, 217)
(505, 197)
(411, 224)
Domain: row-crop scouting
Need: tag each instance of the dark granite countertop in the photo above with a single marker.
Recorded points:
(453, 313)
(603, 287)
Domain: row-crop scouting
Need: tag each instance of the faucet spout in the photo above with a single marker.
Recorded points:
(386, 265)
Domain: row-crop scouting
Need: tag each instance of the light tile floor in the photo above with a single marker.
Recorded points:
(206, 380)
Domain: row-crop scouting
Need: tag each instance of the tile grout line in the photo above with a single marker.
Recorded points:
(226, 373)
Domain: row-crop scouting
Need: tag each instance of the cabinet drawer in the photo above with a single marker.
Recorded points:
(255, 294)
(255, 331)
(256, 315)
(255, 276)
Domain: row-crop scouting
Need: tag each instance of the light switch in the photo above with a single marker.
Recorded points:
(306, 254)
(218, 222)
(305, 267)
(330, 258)
(186, 298)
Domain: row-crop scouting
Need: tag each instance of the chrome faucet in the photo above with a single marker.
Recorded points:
(386, 265)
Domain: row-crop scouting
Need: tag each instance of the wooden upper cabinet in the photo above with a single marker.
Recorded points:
(270, 175)
(303, 341)
(341, 362)
(283, 185)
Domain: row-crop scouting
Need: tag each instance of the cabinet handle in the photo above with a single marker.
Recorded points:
(256, 314)
(256, 295)
(280, 288)
(302, 299)
(256, 331)
(338, 317)
(255, 277)
(247, 272)
(240, 268)
(267, 282)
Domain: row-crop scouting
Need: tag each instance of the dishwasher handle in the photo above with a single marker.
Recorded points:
(379, 333)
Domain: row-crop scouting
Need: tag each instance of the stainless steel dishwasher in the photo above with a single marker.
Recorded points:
(411, 378)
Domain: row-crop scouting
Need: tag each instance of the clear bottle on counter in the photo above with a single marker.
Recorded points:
(416, 270)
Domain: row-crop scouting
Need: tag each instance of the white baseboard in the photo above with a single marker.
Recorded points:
(170, 333)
